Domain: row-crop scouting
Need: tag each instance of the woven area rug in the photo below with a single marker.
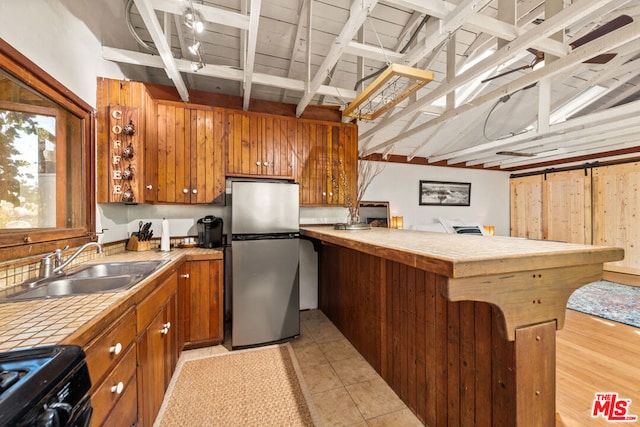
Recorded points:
(254, 387)
(609, 300)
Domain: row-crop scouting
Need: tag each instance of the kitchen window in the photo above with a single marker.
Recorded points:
(46, 172)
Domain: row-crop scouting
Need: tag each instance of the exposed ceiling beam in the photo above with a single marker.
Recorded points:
(221, 71)
(153, 26)
(575, 137)
(550, 26)
(360, 9)
(183, 45)
(299, 42)
(448, 26)
(252, 40)
(611, 115)
(592, 144)
(212, 14)
(372, 52)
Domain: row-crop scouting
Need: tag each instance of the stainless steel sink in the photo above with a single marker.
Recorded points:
(77, 286)
(117, 269)
(94, 278)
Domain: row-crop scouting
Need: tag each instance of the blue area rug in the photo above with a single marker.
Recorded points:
(609, 300)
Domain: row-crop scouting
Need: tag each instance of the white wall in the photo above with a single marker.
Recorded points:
(399, 183)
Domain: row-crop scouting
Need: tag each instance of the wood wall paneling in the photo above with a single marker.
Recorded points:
(448, 361)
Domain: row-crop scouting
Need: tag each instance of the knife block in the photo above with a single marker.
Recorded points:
(135, 245)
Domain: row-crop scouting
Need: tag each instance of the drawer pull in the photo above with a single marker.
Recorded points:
(149, 187)
(185, 276)
(115, 349)
(266, 163)
(194, 191)
(167, 325)
(257, 163)
(185, 190)
(117, 389)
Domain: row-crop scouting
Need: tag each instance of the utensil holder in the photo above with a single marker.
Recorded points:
(136, 245)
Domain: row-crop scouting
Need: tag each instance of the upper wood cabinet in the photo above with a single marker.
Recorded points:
(327, 158)
(185, 156)
(258, 144)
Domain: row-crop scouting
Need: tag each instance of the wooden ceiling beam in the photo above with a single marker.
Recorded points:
(150, 19)
(220, 71)
(550, 26)
(359, 12)
(212, 14)
(611, 115)
(252, 40)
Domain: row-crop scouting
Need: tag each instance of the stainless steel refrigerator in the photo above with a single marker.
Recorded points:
(265, 295)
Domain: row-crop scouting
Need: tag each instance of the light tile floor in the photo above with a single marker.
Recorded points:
(345, 389)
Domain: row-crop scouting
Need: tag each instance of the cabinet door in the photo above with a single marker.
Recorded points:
(259, 144)
(188, 157)
(173, 154)
(327, 156)
(201, 303)
(151, 371)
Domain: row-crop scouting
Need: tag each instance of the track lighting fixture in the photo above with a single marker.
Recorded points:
(195, 48)
(195, 66)
(193, 20)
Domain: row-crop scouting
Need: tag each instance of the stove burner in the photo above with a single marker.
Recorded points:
(9, 378)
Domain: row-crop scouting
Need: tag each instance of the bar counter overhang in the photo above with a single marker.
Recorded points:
(461, 327)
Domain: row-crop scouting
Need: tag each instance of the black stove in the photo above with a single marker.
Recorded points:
(44, 386)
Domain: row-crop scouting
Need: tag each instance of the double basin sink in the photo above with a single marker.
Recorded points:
(94, 278)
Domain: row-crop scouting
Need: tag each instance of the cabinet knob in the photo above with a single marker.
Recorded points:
(185, 276)
(149, 187)
(117, 389)
(194, 191)
(331, 193)
(185, 190)
(115, 349)
(324, 193)
(266, 163)
(167, 325)
(257, 163)
(164, 331)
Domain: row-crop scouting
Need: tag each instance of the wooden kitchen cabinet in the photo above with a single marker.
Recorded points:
(259, 145)
(200, 302)
(327, 157)
(111, 359)
(157, 347)
(185, 163)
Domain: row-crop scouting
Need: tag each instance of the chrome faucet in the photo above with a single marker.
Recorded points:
(47, 263)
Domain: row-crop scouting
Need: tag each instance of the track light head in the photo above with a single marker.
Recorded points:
(195, 48)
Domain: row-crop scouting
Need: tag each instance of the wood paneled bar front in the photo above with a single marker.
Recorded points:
(461, 327)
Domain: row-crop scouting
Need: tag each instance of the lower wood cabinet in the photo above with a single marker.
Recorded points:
(111, 359)
(132, 360)
(200, 296)
(157, 348)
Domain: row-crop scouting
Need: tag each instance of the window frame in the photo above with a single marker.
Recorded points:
(26, 242)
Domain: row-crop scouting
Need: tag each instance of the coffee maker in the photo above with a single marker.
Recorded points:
(210, 232)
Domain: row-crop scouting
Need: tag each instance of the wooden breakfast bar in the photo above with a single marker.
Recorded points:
(461, 327)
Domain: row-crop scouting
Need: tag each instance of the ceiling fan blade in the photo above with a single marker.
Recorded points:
(524, 67)
(601, 59)
(610, 26)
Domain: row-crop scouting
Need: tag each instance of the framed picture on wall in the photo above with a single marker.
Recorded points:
(442, 193)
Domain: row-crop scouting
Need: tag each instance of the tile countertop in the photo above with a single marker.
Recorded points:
(463, 255)
(67, 319)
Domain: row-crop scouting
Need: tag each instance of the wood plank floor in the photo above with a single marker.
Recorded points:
(595, 355)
